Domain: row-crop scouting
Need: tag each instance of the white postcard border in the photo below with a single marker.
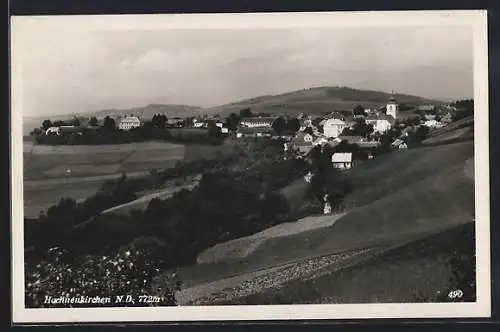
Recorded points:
(476, 19)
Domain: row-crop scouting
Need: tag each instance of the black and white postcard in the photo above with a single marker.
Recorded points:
(203, 167)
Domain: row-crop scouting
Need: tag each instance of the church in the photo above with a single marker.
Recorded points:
(383, 122)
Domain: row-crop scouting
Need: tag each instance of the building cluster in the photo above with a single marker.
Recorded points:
(313, 130)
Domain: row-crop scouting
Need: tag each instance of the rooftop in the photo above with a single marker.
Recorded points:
(342, 157)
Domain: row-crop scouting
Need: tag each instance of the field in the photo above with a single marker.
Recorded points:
(398, 198)
(46, 179)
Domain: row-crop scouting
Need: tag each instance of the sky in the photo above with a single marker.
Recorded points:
(76, 71)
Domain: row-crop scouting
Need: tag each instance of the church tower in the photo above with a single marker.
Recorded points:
(392, 107)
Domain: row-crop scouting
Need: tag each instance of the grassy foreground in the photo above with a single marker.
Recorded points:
(425, 270)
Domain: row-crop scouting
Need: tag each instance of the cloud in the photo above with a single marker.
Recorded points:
(68, 71)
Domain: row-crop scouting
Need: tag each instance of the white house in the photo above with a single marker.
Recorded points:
(399, 144)
(129, 122)
(333, 127)
(53, 130)
(224, 130)
(62, 129)
(381, 123)
(342, 160)
(433, 124)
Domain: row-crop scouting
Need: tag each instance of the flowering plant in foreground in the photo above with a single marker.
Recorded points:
(128, 273)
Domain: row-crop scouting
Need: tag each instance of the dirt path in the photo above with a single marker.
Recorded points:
(75, 180)
(269, 278)
(164, 194)
(243, 247)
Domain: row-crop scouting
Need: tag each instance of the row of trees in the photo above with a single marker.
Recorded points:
(108, 134)
(227, 204)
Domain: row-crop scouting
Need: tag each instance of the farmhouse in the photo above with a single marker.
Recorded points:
(426, 108)
(303, 142)
(62, 130)
(256, 122)
(433, 124)
(254, 132)
(129, 122)
(381, 123)
(334, 127)
(342, 160)
(197, 123)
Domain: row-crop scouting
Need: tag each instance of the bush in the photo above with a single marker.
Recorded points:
(128, 272)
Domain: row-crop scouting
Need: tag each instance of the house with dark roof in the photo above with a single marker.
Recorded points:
(303, 142)
(254, 132)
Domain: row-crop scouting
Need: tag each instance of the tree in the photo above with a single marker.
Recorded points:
(273, 205)
(279, 125)
(359, 110)
(245, 113)
(93, 122)
(232, 121)
(465, 108)
(58, 123)
(159, 121)
(309, 130)
(293, 125)
(36, 132)
(213, 130)
(46, 124)
(109, 123)
(75, 122)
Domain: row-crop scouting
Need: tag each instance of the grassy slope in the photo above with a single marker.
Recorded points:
(459, 130)
(417, 271)
(316, 100)
(399, 197)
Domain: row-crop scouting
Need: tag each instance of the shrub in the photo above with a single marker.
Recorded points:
(130, 271)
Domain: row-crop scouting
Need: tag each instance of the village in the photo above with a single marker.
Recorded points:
(368, 130)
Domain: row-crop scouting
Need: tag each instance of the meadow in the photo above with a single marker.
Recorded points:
(399, 197)
(46, 179)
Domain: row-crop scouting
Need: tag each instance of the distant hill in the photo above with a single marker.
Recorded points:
(317, 100)
(313, 100)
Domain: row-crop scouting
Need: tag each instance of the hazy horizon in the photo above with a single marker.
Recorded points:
(68, 71)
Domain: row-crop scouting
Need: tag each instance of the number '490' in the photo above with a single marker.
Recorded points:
(455, 294)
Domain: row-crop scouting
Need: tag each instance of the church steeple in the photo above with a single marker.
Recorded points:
(392, 98)
(392, 106)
